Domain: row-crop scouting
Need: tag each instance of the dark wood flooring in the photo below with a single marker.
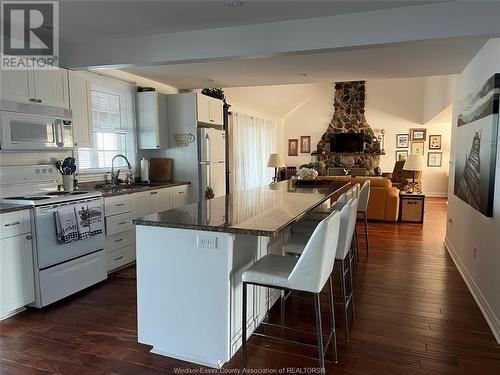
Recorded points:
(414, 315)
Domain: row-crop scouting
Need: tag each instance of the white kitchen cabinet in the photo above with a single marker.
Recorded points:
(210, 110)
(180, 196)
(142, 203)
(15, 85)
(17, 287)
(161, 200)
(51, 87)
(152, 124)
(46, 87)
(79, 99)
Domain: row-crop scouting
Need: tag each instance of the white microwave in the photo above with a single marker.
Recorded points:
(35, 132)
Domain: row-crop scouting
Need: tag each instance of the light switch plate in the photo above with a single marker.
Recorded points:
(207, 241)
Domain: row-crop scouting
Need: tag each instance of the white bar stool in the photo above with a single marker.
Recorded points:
(309, 273)
(364, 196)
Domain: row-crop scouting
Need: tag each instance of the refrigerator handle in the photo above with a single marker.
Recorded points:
(207, 147)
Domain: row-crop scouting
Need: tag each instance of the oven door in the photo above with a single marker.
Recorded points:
(28, 132)
(49, 252)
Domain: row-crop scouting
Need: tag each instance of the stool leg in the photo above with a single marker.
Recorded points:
(351, 290)
(282, 307)
(332, 318)
(356, 248)
(244, 329)
(317, 309)
(344, 299)
(366, 231)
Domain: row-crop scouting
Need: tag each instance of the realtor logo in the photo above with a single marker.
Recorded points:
(30, 34)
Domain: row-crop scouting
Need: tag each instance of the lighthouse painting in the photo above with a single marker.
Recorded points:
(476, 146)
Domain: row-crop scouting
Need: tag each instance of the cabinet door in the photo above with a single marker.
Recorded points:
(203, 104)
(142, 203)
(79, 97)
(51, 87)
(17, 287)
(161, 200)
(15, 85)
(180, 196)
(216, 111)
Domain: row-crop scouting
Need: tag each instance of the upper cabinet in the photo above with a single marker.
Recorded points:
(210, 110)
(79, 99)
(47, 87)
(152, 125)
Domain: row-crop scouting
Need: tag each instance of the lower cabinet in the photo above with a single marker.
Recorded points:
(17, 287)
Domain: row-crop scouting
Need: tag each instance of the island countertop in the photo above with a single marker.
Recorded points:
(262, 211)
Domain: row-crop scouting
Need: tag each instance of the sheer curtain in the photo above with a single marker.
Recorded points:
(253, 139)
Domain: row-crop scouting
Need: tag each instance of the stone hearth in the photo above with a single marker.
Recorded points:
(349, 117)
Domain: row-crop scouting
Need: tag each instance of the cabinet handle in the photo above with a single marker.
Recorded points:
(154, 192)
(33, 100)
(11, 224)
(181, 192)
(28, 238)
(118, 258)
(212, 120)
(120, 204)
(123, 222)
(119, 240)
(39, 100)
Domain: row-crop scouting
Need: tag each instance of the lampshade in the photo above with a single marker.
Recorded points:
(414, 163)
(275, 161)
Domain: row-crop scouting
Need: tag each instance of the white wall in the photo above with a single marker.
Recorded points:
(394, 105)
(439, 94)
(467, 228)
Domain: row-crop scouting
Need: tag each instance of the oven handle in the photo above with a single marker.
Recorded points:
(54, 206)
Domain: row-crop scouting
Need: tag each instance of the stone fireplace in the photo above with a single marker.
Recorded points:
(349, 116)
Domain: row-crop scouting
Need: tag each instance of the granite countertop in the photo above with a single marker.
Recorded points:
(262, 211)
(124, 189)
(11, 207)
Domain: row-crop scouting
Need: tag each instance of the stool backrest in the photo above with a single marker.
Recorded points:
(316, 262)
(340, 202)
(364, 195)
(355, 190)
(347, 225)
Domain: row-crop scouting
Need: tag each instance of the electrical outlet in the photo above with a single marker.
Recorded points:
(207, 241)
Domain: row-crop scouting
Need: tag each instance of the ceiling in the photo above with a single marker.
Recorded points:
(83, 20)
(416, 59)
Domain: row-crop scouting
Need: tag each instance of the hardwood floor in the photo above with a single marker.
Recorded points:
(414, 315)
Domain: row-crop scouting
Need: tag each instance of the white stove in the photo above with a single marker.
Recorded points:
(60, 269)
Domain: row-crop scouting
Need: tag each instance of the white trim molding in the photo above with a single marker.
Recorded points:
(488, 313)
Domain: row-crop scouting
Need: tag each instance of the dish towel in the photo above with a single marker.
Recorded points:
(95, 217)
(66, 224)
(83, 220)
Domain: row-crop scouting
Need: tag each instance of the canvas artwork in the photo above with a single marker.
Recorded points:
(293, 147)
(434, 142)
(401, 155)
(417, 148)
(477, 138)
(305, 144)
(402, 140)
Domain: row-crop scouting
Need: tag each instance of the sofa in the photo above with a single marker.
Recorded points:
(384, 198)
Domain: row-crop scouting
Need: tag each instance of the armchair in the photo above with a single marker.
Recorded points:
(401, 178)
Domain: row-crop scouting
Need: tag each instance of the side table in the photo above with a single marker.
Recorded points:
(411, 207)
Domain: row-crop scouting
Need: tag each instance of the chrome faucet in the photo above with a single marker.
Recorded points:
(114, 176)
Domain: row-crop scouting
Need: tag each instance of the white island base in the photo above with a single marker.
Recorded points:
(189, 297)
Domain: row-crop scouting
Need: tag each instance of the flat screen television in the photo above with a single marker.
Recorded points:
(347, 142)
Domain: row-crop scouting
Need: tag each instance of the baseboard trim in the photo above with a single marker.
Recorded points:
(481, 301)
(436, 195)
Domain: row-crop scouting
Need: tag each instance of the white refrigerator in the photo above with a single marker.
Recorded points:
(212, 161)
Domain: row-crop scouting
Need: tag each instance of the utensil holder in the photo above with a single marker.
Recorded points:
(68, 182)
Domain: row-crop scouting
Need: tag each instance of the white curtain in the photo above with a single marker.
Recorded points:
(253, 139)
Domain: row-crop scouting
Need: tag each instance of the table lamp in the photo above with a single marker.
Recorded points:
(275, 161)
(414, 163)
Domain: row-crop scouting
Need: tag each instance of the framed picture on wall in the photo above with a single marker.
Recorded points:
(417, 148)
(434, 159)
(305, 144)
(401, 155)
(402, 140)
(418, 134)
(293, 147)
(434, 142)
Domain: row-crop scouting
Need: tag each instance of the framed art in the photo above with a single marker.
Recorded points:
(476, 146)
(434, 159)
(401, 155)
(293, 147)
(418, 134)
(402, 140)
(305, 144)
(434, 142)
(417, 148)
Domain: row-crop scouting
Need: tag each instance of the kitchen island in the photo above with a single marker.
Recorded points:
(190, 261)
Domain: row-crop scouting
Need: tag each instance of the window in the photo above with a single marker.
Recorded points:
(112, 129)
